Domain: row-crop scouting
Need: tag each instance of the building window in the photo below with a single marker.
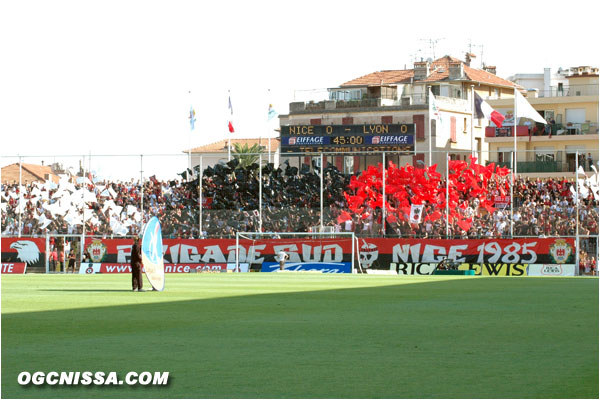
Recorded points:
(464, 125)
(453, 129)
(347, 95)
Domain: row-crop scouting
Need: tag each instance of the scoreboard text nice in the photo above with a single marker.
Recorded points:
(347, 138)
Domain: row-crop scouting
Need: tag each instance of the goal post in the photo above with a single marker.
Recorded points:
(347, 239)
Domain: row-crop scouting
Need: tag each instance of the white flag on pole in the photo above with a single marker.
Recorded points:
(526, 110)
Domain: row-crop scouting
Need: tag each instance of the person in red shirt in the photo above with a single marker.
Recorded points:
(53, 258)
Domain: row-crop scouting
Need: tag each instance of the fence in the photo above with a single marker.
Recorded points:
(114, 195)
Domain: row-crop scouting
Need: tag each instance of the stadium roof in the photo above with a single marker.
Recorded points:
(221, 145)
(439, 70)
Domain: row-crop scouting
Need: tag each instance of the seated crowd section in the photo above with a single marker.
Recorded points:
(478, 203)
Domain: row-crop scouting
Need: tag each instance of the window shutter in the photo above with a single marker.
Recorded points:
(453, 129)
(419, 121)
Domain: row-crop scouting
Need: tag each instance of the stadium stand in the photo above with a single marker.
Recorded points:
(291, 203)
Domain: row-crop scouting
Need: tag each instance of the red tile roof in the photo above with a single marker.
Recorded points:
(382, 77)
(29, 173)
(221, 145)
(439, 70)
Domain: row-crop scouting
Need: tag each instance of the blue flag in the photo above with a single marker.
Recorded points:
(192, 118)
(272, 113)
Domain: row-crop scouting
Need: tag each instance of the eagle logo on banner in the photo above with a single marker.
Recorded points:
(27, 251)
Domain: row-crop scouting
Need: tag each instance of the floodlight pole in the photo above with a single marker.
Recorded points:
(321, 193)
(383, 194)
(83, 207)
(577, 210)
(447, 197)
(512, 200)
(200, 176)
(142, 185)
(260, 185)
(20, 192)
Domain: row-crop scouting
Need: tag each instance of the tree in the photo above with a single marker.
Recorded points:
(247, 155)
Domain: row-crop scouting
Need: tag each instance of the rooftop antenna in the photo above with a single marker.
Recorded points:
(432, 43)
(415, 56)
(471, 46)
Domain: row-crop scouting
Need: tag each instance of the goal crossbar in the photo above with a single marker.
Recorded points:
(278, 235)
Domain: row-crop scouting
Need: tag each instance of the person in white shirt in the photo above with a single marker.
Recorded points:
(282, 257)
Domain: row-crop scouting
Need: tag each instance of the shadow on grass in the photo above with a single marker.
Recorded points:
(86, 290)
(465, 338)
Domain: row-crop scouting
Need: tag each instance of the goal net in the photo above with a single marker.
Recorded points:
(327, 252)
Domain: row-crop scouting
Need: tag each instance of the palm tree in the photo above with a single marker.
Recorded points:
(247, 155)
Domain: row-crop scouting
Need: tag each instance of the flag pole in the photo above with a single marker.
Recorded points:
(190, 134)
(430, 125)
(229, 135)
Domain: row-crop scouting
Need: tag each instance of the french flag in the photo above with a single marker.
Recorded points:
(483, 109)
(231, 118)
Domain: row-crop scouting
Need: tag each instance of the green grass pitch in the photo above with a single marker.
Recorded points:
(292, 335)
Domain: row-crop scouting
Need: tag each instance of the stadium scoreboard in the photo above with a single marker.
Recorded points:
(347, 138)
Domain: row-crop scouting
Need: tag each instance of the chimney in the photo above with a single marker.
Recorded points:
(456, 70)
(490, 68)
(468, 58)
(421, 70)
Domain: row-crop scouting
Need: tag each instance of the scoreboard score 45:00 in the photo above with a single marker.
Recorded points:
(347, 138)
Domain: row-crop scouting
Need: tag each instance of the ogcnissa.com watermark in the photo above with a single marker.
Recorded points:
(92, 378)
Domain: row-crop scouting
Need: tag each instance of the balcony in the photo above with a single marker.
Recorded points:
(568, 131)
(405, 102)
(568, 91)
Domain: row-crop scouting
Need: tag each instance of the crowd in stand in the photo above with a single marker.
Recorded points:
(290, 203)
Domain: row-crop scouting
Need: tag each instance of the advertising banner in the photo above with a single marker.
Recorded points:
(413, 268)
(197, 251)
(14, 268)
(108, 268)
(30, 251)
(495, 256)
(551, 270)
(496, 269)
(325, 268)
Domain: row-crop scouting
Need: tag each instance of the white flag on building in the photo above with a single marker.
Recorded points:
(434, 111)
(526, 110)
